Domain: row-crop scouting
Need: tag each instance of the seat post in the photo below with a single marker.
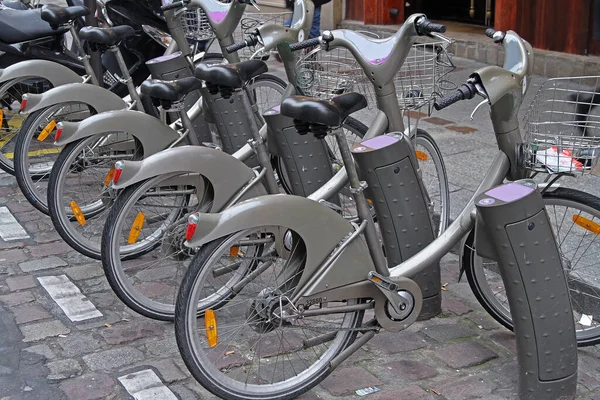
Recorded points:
(127, 77)
(85, 58)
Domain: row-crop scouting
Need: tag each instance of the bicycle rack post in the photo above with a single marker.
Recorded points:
(513, 229)
(172, 67)
(389, 166)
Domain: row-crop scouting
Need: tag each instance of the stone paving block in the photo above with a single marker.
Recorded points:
(588, 381)
(438, 121)
(13, 256)
(102, 300)
(465, 354)
(11, 245)
(89, 387)
(95, 285)
(63, 369)
(168, 371)
(130, 331)
(183, 392)
(27, 216)
(345, 381)
(49, 249)
(392, 343)
(113, 358)
(411, 370)
(42, 264)
(76, 345)
(445, 332)
(14, 299)
(41, 349)
(42, 330)
(505, 338)
(271, 347)
(408, 393)
(484, 322)
(309, 396)
(29, 313)
(20, 282)
(471, 387)
(87, 271)
(461, 129)
(455, 306)
(162, 347)
(23, 206)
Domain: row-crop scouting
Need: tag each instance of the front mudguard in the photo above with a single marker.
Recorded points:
(226, 174)
(98, 98)
(320, 228)
(153, 134)
(55, 73)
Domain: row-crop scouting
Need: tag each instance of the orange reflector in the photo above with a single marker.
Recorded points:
(587, 224)
(1, 117)
(210, 323)
(421, 155)
(234, 251)
(46, 131)
(376, 279)
(136, 228)
(109, 176)
(77, 213)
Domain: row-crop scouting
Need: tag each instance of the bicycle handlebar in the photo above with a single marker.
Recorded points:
(464, 92)
(174, 5)
(425, 27)
(306, 43)
(251, 40)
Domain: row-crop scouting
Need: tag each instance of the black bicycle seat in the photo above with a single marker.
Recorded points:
(230, 75)
(56, 15)
(323, 112)
(106, 36)
(18, 26)
(170, 91)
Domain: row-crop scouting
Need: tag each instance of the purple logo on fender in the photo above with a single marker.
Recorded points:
(486, 201)
(217, 16)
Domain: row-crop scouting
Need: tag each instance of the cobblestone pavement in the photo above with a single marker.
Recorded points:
(102, 350)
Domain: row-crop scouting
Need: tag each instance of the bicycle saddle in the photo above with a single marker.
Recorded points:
(106, 36)
(323, 112)
(18, 26)
(170, 91)
(230, 75)
(56, 15)
(15, 5)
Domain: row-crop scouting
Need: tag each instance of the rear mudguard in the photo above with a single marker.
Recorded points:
(55, 73)
(320, 228)
(98, 98)
(226, 174)
(153, 134)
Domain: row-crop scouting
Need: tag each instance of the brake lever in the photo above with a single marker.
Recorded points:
(255, 4)
(477, 108)
(441, 37)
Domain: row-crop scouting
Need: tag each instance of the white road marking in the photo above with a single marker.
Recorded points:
(68, 297)
(10, 229)
(146, 385)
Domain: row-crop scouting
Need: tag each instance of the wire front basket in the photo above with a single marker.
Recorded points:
(423, 76)
(195, 24)
(248, 24)
(562, 127)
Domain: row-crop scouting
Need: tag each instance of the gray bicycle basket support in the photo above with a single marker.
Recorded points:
(231, 116)
(306, 158)
(175, 66)
(513, 229)
(388, 165)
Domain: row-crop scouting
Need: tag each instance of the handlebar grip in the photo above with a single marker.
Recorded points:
(425, 27)
(489, 32)
(174, 5)
(464, 92)
(307, 43)
(232, 48)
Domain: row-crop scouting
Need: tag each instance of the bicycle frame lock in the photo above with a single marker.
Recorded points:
(389, 167)
(513, 228)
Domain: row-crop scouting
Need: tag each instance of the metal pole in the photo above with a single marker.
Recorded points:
(90, 20)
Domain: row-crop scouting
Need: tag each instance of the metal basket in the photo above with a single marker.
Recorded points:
(423, 76)
(195, 24)
(561, 131)
(252, 20)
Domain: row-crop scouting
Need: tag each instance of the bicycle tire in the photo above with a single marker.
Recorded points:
(476, 276)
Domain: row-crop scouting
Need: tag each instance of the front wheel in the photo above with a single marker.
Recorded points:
(262, 348)
(575, 218)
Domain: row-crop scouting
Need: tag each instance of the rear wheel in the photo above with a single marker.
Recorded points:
(575, 219)
(264, 348)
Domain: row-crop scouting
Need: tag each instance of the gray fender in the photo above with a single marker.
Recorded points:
(98, 98)
(226, 174)
(320, 228)
(153, 134)
(56, 73)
